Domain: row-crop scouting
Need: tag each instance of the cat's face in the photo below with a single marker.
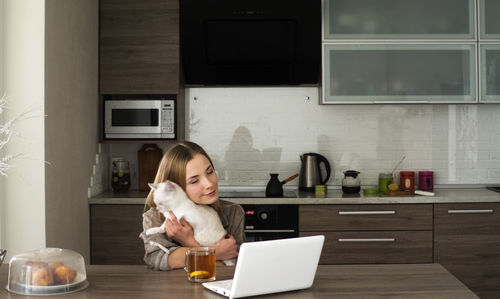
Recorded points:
(167, 191)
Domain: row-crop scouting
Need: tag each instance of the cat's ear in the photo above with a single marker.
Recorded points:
(153, 186)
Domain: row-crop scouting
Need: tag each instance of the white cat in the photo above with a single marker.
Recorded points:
(205, 221)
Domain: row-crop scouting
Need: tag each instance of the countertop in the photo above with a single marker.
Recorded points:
(445, 195)
(331, 281)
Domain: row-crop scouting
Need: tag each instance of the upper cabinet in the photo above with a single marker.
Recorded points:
(399, 51)
(404, 73)
(139, 47)
(489, 22)
(399, 19)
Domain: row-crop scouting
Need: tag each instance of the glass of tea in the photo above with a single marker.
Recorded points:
(200, 264)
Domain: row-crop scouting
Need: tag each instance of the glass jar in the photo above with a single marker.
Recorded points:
(384, 180)
(120, 175)
(407, 180)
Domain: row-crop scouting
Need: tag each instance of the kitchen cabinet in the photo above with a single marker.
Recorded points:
(114, 234)
(139, 47)
(365, 234)
(489, 23)
(490, 72)
(467, 243)
(399, 73)
(399, 19)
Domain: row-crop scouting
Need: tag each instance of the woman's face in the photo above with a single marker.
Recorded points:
(201, 181)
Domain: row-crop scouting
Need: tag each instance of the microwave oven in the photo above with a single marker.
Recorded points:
(139, 119)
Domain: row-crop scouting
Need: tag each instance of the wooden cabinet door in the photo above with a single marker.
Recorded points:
(139, 47)
(114, 235)
(467, 243)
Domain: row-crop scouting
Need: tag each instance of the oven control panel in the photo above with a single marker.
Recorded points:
(263, 216)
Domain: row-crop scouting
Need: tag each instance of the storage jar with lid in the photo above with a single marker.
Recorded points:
(384, 180)
(426, 180)
(120, 175)
(407, 180)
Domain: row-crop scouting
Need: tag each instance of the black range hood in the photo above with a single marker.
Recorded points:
(250, 42)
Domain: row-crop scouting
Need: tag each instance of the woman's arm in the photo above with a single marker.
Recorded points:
(157, 247)
(182, 232)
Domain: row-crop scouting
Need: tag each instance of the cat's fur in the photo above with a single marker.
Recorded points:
(207, 227)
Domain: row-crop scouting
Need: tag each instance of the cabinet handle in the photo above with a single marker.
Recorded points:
(367, 212)
(400, 102)
(487, 211)
(368, 240)
(269, 230)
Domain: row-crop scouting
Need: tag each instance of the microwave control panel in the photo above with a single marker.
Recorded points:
(168, 118)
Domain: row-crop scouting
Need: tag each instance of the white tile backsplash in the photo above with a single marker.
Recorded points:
(251, 132)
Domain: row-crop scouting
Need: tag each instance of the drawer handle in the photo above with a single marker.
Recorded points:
(487, 211)
(368, 240)
(269, 230)
(367, 212)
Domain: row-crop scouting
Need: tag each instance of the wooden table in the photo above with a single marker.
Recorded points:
(332, 281)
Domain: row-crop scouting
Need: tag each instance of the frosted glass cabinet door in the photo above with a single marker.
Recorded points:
(398, 19)
(401, 73)
(489, 19)
(490, 72)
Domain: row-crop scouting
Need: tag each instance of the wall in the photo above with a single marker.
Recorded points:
(2, 188)
(23, 192)
(251, 132)
(71, 132)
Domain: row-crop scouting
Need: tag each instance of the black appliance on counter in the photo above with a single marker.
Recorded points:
(268, 221)
(250, 42)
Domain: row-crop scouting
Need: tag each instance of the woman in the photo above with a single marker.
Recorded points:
(188, 165)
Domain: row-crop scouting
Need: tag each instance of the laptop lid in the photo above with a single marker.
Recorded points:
(276, 266)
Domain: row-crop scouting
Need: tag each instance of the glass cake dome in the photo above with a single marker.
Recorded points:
(47, 271)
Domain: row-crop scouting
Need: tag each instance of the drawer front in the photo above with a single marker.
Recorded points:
(365, 217)
(387, 247)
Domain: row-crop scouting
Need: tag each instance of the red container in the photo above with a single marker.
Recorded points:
(407, 180)
(426, 180)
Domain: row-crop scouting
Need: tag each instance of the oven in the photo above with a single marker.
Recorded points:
(271, 221)
(265, 221)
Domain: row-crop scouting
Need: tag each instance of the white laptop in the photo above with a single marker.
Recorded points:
(272, 266)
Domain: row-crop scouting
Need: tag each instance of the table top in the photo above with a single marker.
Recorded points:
(331, 281)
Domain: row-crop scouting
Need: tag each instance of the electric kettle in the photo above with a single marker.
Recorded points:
(310, 172)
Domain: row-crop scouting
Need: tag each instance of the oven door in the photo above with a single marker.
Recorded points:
(269, 234)
(132, 118)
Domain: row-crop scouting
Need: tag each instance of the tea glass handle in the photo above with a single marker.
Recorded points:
(186, 261)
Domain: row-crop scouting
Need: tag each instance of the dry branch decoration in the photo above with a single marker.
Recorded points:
(6, 134)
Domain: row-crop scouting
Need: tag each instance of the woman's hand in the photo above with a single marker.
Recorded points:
(181, 231)
(226, 248)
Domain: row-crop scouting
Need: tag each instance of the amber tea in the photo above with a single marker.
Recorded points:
(200, 264)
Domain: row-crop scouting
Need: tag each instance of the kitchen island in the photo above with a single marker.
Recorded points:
(332, 281)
